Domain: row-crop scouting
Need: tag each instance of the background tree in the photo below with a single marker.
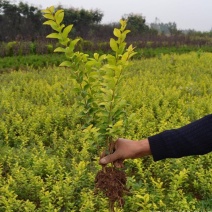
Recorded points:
(173, 28)
(24, 21)
(169, 28)
(136, 23)
(19, 20)
(84, 21)
(31, 19)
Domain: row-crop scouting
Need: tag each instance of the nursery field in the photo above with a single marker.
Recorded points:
(48, 162)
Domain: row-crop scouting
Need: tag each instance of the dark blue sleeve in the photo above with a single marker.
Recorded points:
(192, 139)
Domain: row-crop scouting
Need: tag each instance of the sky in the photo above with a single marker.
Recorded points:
(187, 14)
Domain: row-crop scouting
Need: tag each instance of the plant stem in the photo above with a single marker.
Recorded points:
(111, 206)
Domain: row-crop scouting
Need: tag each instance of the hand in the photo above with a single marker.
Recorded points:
(125, 149)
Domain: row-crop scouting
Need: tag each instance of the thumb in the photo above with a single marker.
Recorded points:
(108, 159)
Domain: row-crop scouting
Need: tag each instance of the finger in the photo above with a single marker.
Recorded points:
(108, 159)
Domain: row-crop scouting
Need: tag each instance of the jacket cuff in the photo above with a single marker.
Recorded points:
(157, 147)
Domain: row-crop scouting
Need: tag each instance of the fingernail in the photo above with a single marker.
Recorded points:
(103, 161)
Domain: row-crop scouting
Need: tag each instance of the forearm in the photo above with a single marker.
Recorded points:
(192, 139)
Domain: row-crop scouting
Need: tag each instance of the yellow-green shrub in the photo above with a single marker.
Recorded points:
(48, 164)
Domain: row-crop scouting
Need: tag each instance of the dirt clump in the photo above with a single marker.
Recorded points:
(112, 183)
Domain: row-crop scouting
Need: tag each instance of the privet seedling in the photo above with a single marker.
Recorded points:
(98, 81)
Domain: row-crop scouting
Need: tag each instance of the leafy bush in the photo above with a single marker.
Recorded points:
(148, 46)
(48, 164)
(29, 62)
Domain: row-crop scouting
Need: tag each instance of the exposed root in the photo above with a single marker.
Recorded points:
(112, 183)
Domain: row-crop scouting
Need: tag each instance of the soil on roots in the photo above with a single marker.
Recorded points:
(112, 183)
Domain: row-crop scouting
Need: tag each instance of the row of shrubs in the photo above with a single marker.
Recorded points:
(37, 61)
(19, 48)
(29, 62)
(150, 46)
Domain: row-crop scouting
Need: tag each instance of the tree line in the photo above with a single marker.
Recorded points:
(25, 22)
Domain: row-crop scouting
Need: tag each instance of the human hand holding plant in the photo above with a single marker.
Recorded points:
(126, 149)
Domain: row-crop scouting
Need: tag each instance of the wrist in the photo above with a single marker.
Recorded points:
(144, 148)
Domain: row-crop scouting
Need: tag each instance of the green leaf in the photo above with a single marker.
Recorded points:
(102, 57)
(62, 26)
(111, 59)
(88, 128)
(125, 32)
(117, 32)
(107, 92)
(124, 35)
(118, 113)
(51, 9)
(69, 52)
(111, 83)
(59, 17)
(58, 12)
(124, 57)
(86, 87)
(75, 41)
(91, 63)
(49, 22)
(123, 25)
(65, 41)
(56, 27)
(59, 49)
(67, 30)
(73, 44)
(130, 51)
(132, 54)
(54, 35)
(118, 124)
(93, 74)
(66, 64)
(48, 16)
(113, 45)
(103, 113)
(53, 25)
(96, 56)
(121, 48)
(110, 72)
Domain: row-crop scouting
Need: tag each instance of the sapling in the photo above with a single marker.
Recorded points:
(97, 91)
